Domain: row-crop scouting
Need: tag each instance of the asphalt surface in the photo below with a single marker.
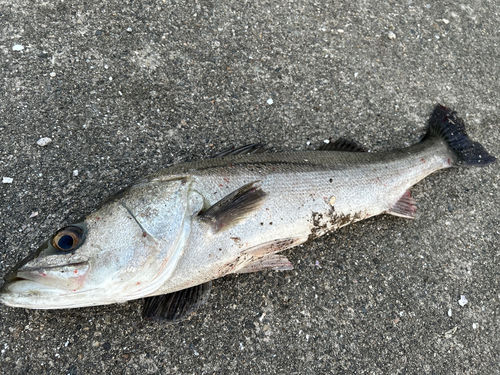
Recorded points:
(124, 88)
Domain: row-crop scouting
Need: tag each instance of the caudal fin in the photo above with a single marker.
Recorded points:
(445, 124)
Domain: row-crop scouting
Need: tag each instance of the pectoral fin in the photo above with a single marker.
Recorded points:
(176, 306)
(235, 207)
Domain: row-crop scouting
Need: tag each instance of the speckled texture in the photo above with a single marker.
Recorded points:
(190, 78)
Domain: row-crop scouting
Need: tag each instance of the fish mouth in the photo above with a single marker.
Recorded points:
(23, 286)
(45, 287)
(23, 293)
(60, 278)
(34, 295)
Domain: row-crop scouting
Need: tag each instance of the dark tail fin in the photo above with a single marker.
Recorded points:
(445, 124)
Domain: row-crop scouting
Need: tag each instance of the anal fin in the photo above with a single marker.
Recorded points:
(404, 207)
(176, 306)
(272, 261)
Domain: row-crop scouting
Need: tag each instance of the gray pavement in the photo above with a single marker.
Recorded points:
(124, 88)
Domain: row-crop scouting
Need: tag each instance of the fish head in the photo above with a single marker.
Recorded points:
(81, 264)
(122, 251)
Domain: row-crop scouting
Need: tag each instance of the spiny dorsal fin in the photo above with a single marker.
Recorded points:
(176, 306)
(254, 148)
(404, 207)
(234, 207)
(342, 144)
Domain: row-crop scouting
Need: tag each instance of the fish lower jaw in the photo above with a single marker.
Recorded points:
(25, 286)
(24, 293)
(32, 295)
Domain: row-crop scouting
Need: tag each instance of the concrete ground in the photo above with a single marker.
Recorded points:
(124, 88)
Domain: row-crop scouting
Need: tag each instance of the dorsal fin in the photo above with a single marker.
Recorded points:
(342, 144)
(253, 148)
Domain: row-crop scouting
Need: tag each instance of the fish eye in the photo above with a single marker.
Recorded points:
(68, 238)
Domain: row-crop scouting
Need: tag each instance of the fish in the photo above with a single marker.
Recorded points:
(166, 237)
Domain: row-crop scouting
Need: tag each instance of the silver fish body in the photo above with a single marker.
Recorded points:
(307, 195)
(189, 224)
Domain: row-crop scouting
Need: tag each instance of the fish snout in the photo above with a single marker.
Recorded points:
(11, 275)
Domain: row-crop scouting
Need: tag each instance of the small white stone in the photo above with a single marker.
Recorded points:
(308, 143)
(462, 301)
(391, 35)
(17, 47)
(110, 78)
(270, 101)
(52, 74)
(340, 31)
(474, 326)
(75, 172)
(7, 180)
(33, 214)
(445, 21)
(43, 141)
(326, 141)
(449, 313)
(129, 29)
(449, 334)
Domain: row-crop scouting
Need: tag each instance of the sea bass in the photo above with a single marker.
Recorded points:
(166, 237)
